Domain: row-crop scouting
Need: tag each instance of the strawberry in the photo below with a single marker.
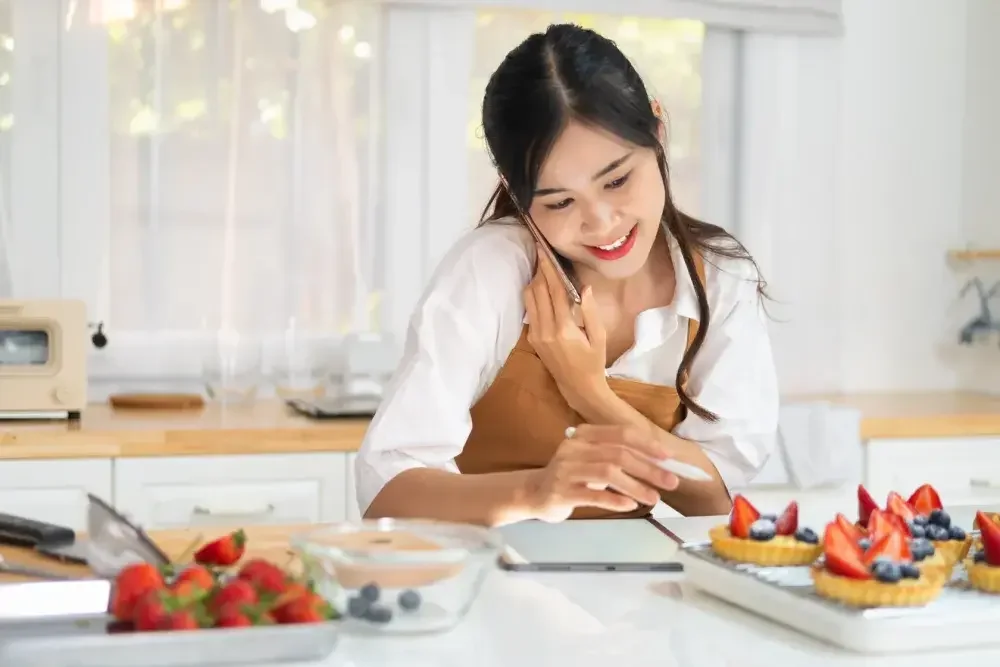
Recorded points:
(742, 515)
(880, 523)
(132, 582)
(308, 608)
(842, 555)
(224, 551)
(865, 505)
(188, 592)
(788, 522)
(925, 500)
(892, 545)
(896, 505)
(266, 577)
(848, 528)
(149, 611)
(179, 620)
(990, 534)
(236, 592)
(198, 575)
(237, 615)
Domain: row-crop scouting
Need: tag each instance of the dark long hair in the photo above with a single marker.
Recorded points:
(569, 72)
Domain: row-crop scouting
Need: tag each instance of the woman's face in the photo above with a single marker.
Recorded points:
(599, 201)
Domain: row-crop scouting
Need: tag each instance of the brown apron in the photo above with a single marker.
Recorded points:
(521, 419)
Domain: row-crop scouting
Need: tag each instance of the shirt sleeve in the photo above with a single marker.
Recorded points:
(458, 337)
(734, 377)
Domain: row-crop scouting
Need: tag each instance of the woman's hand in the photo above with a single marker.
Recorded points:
(575, 357)
(609, 467)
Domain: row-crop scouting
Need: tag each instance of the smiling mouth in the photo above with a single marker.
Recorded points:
(617, 248)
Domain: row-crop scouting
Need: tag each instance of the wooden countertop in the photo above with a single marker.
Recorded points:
(269, 542)
(920, 415)
(269, 427)
(265, 427)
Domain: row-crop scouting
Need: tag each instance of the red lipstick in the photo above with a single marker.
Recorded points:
(618, 252)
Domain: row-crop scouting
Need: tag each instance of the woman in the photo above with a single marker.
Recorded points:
(672, 360)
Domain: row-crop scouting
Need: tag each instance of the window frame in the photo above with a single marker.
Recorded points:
(424, 83)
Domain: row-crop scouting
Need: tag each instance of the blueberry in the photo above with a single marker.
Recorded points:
(956, 532)
(979, 557)
(917, 531)
(773, 518)
(370, 592)
(886, 571)
(921, 549)
(807, 535)
(865, 544)
(920, 520)
(379, 614)
(937, 533)
(357, 607)
(940, 518)
(409, 600)
(909, 571)
(762, 530)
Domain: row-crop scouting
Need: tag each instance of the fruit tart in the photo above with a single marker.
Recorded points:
(977, 543)
(925, 556)
(926, 517)
(983, 568)
(883, 575)
(762, 539)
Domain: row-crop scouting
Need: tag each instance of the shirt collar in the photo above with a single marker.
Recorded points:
(656, 325)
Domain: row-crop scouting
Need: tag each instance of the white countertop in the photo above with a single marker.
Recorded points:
(616, 619)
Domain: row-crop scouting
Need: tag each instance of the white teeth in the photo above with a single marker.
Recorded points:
(616, 244)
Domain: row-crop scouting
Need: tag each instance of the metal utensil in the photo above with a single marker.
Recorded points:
(29, 571)
(114, 541)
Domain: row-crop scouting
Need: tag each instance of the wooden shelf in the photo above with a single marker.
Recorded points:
(967, 255)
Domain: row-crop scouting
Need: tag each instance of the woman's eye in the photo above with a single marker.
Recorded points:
(618, 182)
(559, 205)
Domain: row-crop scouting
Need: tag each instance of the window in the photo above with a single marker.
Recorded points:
(230, 164)
(667, 54)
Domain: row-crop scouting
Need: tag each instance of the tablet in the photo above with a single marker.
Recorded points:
(592, 545)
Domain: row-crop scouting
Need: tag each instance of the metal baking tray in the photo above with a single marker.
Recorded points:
(960, 617)
(65, 624)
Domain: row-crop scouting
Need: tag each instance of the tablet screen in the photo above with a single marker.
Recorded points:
(589, 544)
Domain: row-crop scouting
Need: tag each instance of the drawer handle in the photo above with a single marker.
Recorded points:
(981, 483)
(201, 510)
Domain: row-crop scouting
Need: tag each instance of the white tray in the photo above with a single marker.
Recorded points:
(960, 617)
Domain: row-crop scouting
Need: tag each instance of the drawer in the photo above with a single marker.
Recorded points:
(54, 490)
(232, 491)
(965, 471)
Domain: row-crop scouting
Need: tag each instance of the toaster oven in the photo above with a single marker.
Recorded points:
(43, 358)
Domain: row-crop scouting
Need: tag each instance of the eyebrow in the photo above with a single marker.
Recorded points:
(603, 172)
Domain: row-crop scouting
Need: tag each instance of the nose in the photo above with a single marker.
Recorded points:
(600, 217)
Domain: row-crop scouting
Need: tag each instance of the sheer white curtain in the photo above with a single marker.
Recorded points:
(219, 172)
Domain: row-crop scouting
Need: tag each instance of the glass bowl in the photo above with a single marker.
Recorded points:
(399, 576)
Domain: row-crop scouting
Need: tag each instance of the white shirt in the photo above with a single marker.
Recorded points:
(470, 317)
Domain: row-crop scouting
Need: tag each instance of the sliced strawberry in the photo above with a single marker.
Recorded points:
(866, 504)
(896, 505)
(842, 554)
(788, 522)
(881, 523)
(925, 500)
(892, 545)
(849, 528)
(742, 516)
(990, 534)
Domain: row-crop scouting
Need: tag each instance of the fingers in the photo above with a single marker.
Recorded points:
(592, 323)
(641, 440)
(530, 308)
(597, 474)
(610, 501)
(543, 319)
(557, 292)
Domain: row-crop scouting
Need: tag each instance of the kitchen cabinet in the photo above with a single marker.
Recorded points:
(191, 491)
(53, 490)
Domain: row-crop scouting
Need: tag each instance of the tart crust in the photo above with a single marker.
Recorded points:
(952, 550)
(872, 593)
(782, 550)
(983, 576)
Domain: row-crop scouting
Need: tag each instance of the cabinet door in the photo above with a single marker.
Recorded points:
(232, 491)
(54, 490)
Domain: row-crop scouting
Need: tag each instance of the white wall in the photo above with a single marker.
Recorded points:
(869, 293)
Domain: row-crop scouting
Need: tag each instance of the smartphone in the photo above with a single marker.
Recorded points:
(572, 289)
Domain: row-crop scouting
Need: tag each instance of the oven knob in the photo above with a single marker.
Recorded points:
(62, 395)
